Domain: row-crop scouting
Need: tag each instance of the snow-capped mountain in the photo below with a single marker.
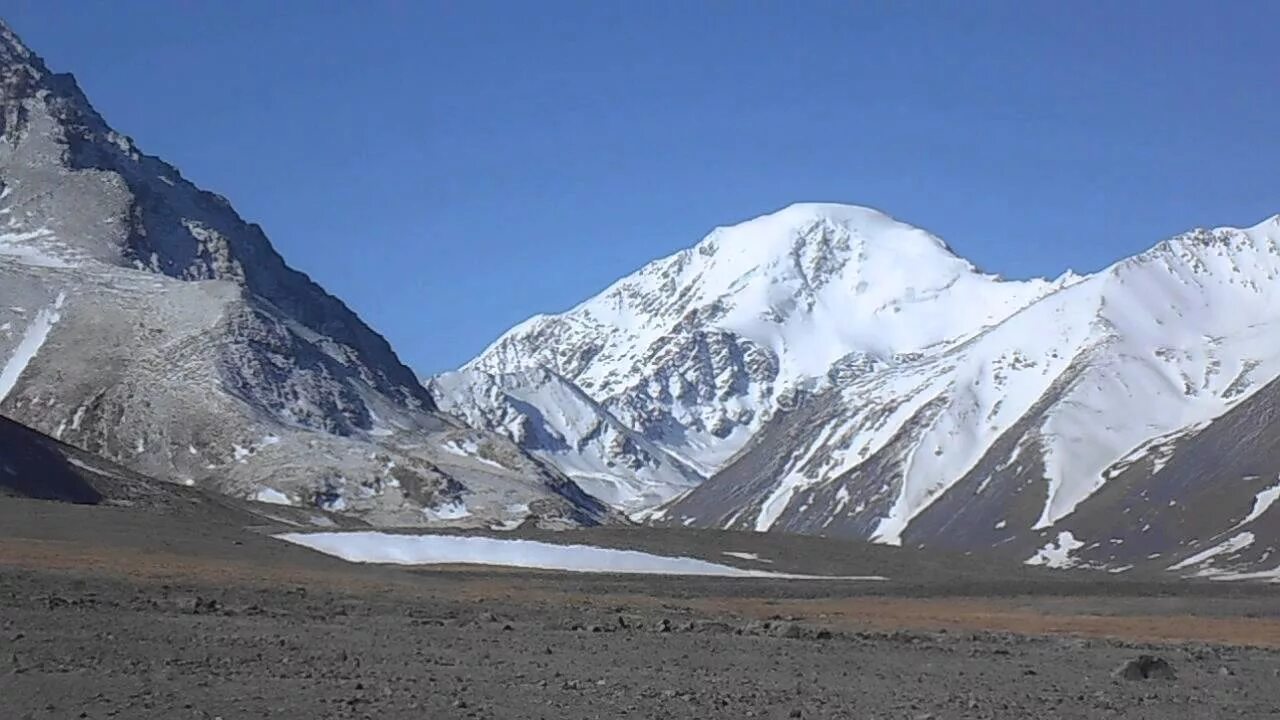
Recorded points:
(832, 370)
(142, 319)
(695, 350)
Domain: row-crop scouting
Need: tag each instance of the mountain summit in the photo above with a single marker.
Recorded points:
(810, 282)
(697, 351)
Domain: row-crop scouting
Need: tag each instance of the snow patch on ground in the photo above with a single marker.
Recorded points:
(1261, 503)
(745, 556)
(1271, 576)
(379, 547)
(452, 510)
(27, 248)
(1057, 552)
(92, 468)
(1234, 544)
(464, 448)
(773, 505)
(470, 450)
(273, 496)
(842, 499)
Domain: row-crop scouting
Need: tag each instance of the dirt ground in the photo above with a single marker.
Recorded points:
(122, 613)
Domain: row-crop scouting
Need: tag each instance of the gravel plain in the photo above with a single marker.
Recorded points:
(123, 612)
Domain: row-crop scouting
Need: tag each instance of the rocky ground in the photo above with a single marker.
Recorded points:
(125, 613)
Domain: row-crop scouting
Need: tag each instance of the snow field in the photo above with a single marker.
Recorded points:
(380, 547)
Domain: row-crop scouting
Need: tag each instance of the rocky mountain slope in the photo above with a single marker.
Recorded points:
(143, 320)
(545, 413)
(831, 370)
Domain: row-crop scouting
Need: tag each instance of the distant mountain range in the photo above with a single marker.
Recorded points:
(828, 369)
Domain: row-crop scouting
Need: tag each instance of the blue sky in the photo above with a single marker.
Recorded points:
(449, 169)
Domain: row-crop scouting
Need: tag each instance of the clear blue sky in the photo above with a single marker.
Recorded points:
(451, 168)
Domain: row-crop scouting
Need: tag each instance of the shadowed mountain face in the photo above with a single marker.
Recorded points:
(830, 370)
(142, 319)
(33, 466)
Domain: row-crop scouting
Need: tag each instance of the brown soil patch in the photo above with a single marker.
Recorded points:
(1000, 615)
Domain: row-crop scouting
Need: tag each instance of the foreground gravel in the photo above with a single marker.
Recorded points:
(183, 611)
(81, 646)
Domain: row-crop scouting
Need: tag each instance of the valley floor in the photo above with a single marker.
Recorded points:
(113, 612)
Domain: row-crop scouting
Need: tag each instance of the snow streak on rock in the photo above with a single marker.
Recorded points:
(32, 340)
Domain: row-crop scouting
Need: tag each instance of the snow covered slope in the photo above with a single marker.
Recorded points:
(1002, 437)
(553, 419)
(833, 370)
(696, 350)
(398, 549)
(142, 319)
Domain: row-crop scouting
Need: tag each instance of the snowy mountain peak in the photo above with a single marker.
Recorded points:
(694, 351)
(798, 220)
(844, 268)
(810, 244)
(1270, 224)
